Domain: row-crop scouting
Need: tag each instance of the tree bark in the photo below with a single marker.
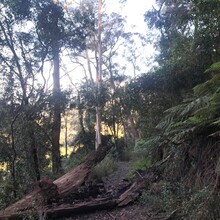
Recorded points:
(56, 159)
(34, 154)
(88, 206)
(66, 136)
(99, 78)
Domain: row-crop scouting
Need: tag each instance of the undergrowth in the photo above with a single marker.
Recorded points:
(103, 169)
(197, 205)
(74, 159)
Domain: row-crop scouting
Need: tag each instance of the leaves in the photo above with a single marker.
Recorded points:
(202, 111)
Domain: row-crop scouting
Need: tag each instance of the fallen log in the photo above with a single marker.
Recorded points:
(83, 207)
(126, 197)
(77, 176)
(41, 195)
(27, 206)
(132, 193)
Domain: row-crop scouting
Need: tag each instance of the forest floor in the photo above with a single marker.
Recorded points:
(136, 211)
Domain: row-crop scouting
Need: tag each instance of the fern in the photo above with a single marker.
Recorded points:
(199, 115)
(145, 145)
(194, 116)
(209, 87)
(215, 67)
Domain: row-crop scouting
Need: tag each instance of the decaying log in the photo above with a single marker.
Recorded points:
(77, 176)
(46, 190)
(83, 207)
(40, 201)
(132, 193)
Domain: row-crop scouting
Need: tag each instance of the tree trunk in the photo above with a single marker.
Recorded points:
(99, 79)
(56, 160)
(66, 136)
(34, 154)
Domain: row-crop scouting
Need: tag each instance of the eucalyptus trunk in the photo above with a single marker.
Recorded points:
(56, 124)
(99, 79)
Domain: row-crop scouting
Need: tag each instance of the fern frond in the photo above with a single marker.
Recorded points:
(144, 145)
(197, 115)
(206, 112)
(209, 87)
(216, 122)
(194, 120)
(194, 105)
(215, 67)
(216, 97)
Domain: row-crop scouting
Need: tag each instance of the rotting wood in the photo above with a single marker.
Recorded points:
(56, 210)
(77, 176)
(64, 185)
(88, 206)
(132, 193)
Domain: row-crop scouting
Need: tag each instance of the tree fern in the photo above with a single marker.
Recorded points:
(196, 115)
(209, 87)
(215, 67)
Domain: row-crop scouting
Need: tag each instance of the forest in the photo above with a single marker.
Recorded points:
(151, 121)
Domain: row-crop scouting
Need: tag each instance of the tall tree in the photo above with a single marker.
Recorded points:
(100, 56)
(99, 78)
(51, 32)
(22, 97)
(57, 31)
(188, 39)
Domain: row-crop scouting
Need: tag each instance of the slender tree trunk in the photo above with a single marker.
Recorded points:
(66, 135)
(99, 79)
(13, 163)
(133, 130)
(34, 154)
(56, 159)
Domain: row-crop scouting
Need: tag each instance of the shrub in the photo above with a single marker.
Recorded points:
(74, 159)
(138, 165)
(103, 169)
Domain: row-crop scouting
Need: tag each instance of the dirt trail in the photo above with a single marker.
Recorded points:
(118, 179)
(115, 182)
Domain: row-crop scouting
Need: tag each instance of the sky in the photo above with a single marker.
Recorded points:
(134, 11)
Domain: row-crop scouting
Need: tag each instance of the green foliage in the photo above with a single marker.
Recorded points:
(144, 146)
(150, 200)
(215, 67)
(192, 207)
(149, 97)
(194, 115)
(142, 165)
(163, 196)
(185, 133)
(138, 165)
(119, 150)
(103, 169)
(75, 158)
(6, 190)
